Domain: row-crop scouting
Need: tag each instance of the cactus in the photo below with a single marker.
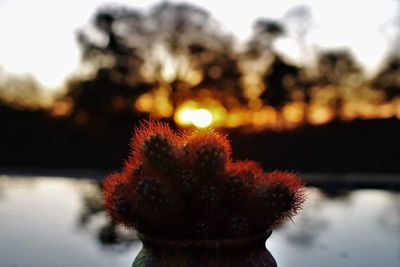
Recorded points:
(240, 179)
(187, 182)
(205, 229)
(237, 226)
(119, 199)
(208, 153)
(156, 146)
(185, 185)
(208, 200)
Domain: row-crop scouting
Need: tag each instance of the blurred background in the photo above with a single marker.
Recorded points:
(308, 86)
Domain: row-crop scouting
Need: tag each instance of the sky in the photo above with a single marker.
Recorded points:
(39, 37)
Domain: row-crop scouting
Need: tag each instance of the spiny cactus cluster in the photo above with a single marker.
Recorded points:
(186, 185)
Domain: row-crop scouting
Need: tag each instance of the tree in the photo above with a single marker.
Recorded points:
(280, 81)
(339, 71)
(108, 47)
(22, 91)
(265, 33)
(388, 79)
(338, 68)
(280, 78)
(178, 47)
(196, 44)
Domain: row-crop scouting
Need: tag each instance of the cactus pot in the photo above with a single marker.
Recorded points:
(243, 252)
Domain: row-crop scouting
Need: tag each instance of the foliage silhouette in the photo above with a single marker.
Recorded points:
(280, 80)
(387, 80)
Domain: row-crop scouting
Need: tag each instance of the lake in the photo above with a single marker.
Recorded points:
(48, 221)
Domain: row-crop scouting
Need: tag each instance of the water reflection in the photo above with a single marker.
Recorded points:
(56, 221)
(313, 221)
(2, 188)
(341, 231)
(39, 225)
(389, 216)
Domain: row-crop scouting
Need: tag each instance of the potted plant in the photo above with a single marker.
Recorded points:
(193, 205)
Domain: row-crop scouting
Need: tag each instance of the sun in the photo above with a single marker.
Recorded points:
(190, 114)
(202, 118)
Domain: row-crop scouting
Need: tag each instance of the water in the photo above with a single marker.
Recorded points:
(56, 221)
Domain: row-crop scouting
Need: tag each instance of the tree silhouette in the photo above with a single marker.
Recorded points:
(281, 78)
(388, 79)
(178, 47)
(22, 91)
(265, 33)
(101, 103)
(196, 43)
(338, 71)
(337, 68)
(111, 48)
(222, 74)
(280, 81)
(107, 46)
(182, 50)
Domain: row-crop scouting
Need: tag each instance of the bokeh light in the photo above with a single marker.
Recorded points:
(190, 113)
(202, 118)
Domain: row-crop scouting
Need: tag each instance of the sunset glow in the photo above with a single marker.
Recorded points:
(197, 114)
(202, 118)
(189, 114)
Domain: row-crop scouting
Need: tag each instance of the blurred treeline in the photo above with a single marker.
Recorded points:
(140, 63)
(150, 62)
